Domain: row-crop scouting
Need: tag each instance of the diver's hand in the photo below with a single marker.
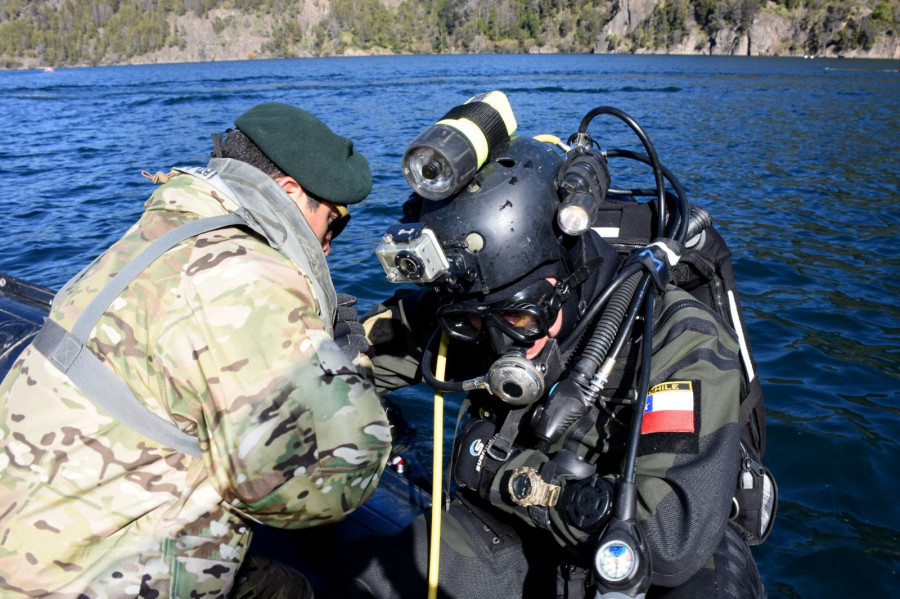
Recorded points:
(348, 332)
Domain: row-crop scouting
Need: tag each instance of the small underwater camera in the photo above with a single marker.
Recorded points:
(412, 253)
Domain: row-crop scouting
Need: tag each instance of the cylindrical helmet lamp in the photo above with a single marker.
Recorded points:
(583, 181)
(444, 158)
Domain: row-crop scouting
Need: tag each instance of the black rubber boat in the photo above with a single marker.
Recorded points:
(400, 497)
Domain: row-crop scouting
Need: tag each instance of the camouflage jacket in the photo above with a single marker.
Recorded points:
(222, 336)
(685, 475)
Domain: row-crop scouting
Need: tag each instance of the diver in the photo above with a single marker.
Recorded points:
(599, 442)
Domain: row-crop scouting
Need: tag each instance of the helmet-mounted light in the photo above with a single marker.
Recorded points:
(444, 158)
(583, 181)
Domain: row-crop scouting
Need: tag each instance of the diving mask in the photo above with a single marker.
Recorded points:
(525, 317)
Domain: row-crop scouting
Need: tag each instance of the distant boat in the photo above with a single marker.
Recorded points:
(49, 69)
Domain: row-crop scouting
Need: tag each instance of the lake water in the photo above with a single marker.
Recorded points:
(797, 160)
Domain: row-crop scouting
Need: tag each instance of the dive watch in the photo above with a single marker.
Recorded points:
(526, 487)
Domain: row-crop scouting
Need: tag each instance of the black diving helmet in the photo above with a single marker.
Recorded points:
(493, 233)
(488, 251)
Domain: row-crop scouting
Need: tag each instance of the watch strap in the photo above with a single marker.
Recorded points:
(549, 494)
(540, 515)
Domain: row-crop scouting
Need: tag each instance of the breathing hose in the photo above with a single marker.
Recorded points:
(643, 385)
(596, 305)
(598, 383)
(437, 466)
(677, 226)
(601, 339)
(436, 381)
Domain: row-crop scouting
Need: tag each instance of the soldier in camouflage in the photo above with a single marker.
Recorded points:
(231, 335)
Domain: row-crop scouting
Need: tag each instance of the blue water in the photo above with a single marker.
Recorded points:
(797, 160)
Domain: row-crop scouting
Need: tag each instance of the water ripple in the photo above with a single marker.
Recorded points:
(797, 161)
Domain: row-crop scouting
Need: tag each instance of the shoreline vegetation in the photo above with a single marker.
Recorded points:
(56, 33)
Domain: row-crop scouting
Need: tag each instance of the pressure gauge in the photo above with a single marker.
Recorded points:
(616, 561)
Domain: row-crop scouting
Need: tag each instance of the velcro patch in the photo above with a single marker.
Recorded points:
(669, 409)
(671, 422)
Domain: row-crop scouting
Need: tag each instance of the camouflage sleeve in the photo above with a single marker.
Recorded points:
(688, 464)
(293, 435)
(398, 330)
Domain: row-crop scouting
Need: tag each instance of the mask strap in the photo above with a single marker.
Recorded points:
(573, 281)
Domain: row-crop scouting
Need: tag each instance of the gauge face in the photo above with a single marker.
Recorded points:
(616, 561)
(521, 486)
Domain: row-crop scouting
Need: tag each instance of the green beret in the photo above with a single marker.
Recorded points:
(302, 146)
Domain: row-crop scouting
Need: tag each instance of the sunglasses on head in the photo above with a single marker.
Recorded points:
(525, 317)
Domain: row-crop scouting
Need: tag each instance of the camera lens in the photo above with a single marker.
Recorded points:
(410, 265)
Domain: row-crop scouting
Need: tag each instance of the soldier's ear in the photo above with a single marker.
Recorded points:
(289, 185)
(293, 189)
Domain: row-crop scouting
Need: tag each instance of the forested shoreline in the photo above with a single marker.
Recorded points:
(36, 33)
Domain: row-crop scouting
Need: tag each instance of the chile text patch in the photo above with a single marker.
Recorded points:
(669, 409)
(671, 418)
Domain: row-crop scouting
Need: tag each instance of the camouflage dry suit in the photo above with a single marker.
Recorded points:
(223, 336)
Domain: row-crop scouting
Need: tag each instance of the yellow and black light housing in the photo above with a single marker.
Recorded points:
(442, 160)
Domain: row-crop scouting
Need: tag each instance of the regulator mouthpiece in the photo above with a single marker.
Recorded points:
(516, 380)
(442, 160)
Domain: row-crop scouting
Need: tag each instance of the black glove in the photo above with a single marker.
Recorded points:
(402, 432)
(348, 333)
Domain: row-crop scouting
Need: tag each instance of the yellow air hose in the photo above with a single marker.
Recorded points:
(438, 467)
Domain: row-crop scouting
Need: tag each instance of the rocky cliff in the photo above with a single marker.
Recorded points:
(772, 31)
(828, 28)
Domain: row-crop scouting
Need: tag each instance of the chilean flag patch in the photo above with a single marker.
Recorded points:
(669, 409)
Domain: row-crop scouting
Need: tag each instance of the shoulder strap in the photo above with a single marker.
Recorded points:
(281, 228)
(66, 350)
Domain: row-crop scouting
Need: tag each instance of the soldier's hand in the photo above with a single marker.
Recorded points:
(348, 333)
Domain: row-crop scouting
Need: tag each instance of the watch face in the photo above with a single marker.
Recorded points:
(520, 486)
(616, 561)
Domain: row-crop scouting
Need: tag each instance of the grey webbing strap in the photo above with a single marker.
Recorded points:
(108, 391)
(85, 323)
(66, 351)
